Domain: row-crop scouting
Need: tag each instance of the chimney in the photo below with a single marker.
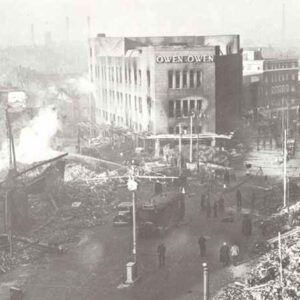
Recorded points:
(47, 35)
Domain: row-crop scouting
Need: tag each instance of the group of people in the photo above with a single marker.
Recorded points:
(227, 254)
(218, 206)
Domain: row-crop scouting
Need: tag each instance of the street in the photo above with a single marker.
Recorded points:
(95, 266)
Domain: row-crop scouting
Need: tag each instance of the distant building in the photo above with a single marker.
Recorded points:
(156, 84)
(269, 83)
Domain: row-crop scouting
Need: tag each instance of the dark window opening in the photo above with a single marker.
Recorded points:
(170, 79)
(185, 107)
(171, 108)
(192, 105)
(191, 79)
(199, 105)
(184, 79)
(178, 108)
(177, 79)
(198, 75)
(148, 78)
(171, 130)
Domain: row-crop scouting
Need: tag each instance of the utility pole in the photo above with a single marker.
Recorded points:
(284, 170)
(180, 150)
(280, 259)
(191, 138)
(133, 226)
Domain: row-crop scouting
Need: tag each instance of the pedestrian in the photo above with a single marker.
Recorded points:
(224, 254)
(161, 250)
(208, 208)
(221, 205)
(203, 202)
(253, 200)
(215, 208)
(238, 200)
(247, 226)
(202, 245)
(234, 253)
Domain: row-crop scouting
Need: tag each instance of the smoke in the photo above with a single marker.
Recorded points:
(34, 141)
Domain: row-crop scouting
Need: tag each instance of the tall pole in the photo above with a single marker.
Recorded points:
(180, 149)
(133, 226)
(191, 139)
(205, 282)
(284, 169)
(280, 258)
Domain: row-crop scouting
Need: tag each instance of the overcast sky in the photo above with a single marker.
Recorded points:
(255, 20)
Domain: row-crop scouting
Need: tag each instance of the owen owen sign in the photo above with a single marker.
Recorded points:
(177, 59)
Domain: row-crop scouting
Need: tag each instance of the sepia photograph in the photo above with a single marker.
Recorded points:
(149, 150)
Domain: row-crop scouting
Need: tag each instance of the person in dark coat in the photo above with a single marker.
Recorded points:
(225, 254)
(247, 226)
(238, 200)
(221, 205)
(215, 208)
(161, 251)
(202, 245)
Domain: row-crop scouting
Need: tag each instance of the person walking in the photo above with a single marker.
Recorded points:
(161, 250)
(238, 200)
(253, 200)
(224, 254)
(202, 245)
(234, 253)
(203, 202)
(221, 205)
(247, 226)
(215, 208)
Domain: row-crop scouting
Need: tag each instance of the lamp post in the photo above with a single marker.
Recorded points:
(191, 136)
(131, 267)
(205, 282)
(180, 149)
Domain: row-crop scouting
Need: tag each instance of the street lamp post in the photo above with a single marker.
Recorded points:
(205, 282)
(180, 149)
(131, 267)
(191, 138)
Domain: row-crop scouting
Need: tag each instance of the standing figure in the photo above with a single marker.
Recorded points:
(215, 208)
(234, 253)
(247, 226)
(202, 245)
(224, 254)
(221, 205)
(238, 200)
(253, 200)
(161, 250)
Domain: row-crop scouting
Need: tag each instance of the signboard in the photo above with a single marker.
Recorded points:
(177, 59)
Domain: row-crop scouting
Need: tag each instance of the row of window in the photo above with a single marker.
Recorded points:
(184, 79)
(185, 129)
(183, 108)
(282, 65)
(132, 75)
(282, 89)
(118, 120)
(118, 99)
(280, 77)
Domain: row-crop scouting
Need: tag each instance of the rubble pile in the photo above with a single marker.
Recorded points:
(78, 173)
(263, 281)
